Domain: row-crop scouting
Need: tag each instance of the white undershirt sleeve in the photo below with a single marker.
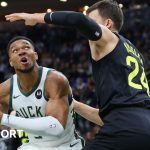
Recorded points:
(44, 126)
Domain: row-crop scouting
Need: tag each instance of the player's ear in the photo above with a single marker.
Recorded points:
(36, 56)
(10, 62)
(108, 23)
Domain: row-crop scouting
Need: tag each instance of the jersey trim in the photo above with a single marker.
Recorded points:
(11, 93)
(44, 93)
(35, 86)
(77, 136)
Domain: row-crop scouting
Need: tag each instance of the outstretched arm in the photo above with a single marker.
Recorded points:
(57, 90)
(88, 112)
(84, 24)
(102, 40)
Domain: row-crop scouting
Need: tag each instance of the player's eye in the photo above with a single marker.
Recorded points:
(14, 50)
(26, 47)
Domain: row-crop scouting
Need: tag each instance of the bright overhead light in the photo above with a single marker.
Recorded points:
(4, 4)
(86, 7)
(121, 5)
(49, 10)
(63, 0)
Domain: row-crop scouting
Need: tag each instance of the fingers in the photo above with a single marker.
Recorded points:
(11, 19)
(28, 18)
(14, 17)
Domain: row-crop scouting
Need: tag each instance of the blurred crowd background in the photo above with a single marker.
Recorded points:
(68, 52)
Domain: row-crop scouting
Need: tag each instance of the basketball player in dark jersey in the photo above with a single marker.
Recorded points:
(121, 85)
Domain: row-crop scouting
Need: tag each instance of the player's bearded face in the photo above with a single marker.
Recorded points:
(26, 70)
(22, 56)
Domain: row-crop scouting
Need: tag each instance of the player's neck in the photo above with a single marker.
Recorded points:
(116, 31)
(28, 80)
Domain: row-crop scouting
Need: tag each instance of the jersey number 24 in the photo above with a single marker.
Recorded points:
(143, 80)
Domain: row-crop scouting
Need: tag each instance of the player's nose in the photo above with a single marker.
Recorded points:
(22, 53)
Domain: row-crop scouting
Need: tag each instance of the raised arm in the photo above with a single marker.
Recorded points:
(88, 112)
(88, 27)
(56, 90)
(84, 24)
(102, 40)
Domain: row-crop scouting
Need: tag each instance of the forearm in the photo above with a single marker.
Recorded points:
(89, 113)
(84, 24)
(38, 17)
(44, 126)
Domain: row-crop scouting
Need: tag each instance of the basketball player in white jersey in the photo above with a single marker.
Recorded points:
(41, 98)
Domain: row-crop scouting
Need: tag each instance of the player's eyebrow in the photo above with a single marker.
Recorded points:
(24, 42)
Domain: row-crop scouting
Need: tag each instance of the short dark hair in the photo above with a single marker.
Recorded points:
(109, 9)
(16, 38)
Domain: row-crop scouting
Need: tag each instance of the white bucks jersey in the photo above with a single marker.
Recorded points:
(32, 104)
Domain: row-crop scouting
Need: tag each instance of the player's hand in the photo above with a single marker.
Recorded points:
(30, 19)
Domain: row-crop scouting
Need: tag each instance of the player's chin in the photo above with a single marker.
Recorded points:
(25, 68)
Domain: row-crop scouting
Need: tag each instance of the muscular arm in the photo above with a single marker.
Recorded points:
(57, 90)
(88, 112)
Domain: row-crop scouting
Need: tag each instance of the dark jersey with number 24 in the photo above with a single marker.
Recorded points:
(120, 78)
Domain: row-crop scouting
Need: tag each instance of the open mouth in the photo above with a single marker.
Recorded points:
(24, 60)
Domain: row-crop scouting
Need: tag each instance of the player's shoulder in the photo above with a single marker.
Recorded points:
(5, 90)
(6, 84)
(108, 36)
(55, 76)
